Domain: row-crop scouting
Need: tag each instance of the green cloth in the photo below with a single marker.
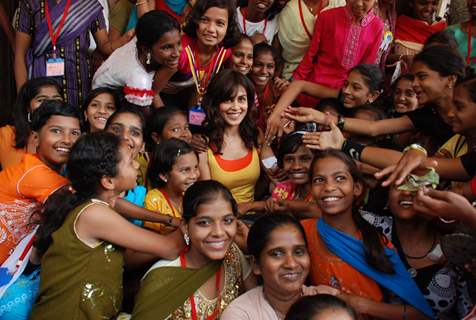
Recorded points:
(77, 281)
(413, 182)
(165, 289)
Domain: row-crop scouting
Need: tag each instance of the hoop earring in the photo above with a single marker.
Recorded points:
(147, 62)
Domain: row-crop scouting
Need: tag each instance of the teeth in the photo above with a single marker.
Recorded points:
(405, 203)
(65, 150)
(291, 276)
(330, 199)
(216, 244)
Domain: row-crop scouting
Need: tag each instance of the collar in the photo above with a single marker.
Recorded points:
(365, 21)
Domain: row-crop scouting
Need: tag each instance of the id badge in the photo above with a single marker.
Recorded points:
(55, 67)
(196, 116)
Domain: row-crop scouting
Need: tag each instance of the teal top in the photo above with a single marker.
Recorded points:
(461, 37)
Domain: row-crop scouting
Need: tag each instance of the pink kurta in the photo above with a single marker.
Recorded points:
(338, 45)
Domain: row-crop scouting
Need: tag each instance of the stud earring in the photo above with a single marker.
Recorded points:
(148, 58)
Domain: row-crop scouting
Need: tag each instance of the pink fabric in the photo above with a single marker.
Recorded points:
(338, 45)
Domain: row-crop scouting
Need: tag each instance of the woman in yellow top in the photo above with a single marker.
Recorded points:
(232, 156)
(172, 169)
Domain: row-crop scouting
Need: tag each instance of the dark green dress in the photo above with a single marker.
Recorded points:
(77, 281)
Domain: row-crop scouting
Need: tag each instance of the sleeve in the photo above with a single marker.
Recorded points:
(99, 23)
(39, 183)
(24, 21)
(473, 185)
(152, 200)
(469, 162)
(372, 51)
(307, 63)
(236, 311)
(281, 191)
(417, 117)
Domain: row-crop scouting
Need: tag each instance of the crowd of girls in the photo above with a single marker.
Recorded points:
(260, 159)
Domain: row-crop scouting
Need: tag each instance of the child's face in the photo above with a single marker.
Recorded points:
(128, 127)
(242, 56)
(184, 173)
(400, 203)
(463, 112)
(297, 165)
(45, 93)
(263, 69)
(166, 51)
(261, 6)
(56, 138)
(360, 8)
(212, 230)
(99, 110)
(127, 170)
(428, 84)
(356, 91)
(424, 9)
(177, 127)
(212, 26)
(333, 187)
(234, 110)
(404, 97)
(284, 261)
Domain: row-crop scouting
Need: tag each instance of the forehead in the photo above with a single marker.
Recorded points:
(302, 149)
(215, 13)
(177, 117)
(265, 57)
(47, 90)
(404, 83)
(285, 236)
(329, 166)
(63, 121)
(127, 120)
(355, 77)
(217, 208)
(244, 45)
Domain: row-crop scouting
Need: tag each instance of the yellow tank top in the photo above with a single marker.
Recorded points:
(239, 176)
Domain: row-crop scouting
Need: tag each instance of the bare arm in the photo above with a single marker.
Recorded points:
(203, 166)
(107, 46)
(22, 44)
(144, 7)
(103, 223)
(129, 210)
(161, 78)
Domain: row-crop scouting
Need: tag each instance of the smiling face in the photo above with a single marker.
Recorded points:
(184, 173)
(428, 85)
(127, 170)
(177, 127)
(297, 165)
(129, 128)
(424, 9)
(356, 92)
(233, 111)
(241, 59)
(261, 6)
(56, 138)
(284, 262)
(404, 97)
(472, 7)
(211, 230)
(463, 112)
(44, 93)
(400, 203)
(99, 110)
(333, 187)
(166, 51)
(263, 69)
(212, 26)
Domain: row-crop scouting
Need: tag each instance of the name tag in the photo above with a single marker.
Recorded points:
(55, 67)
(196, 116)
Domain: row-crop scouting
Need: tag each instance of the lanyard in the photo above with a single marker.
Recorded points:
(244, 14)
(214, 315)
(201, 82)
(54, 35)
(309, 34)
(166, 196)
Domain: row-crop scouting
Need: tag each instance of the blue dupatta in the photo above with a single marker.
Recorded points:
(352, 252)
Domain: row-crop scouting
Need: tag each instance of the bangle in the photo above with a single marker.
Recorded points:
(353, 149)
(340, 122)
(447, 221)
(404, 313)
(415, 146)
(141, 3)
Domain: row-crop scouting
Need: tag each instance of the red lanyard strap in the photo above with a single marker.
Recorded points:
(166, 196)
(54, 35)
(302, 20)
(215, 313)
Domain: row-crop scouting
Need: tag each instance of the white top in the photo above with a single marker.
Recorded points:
(251, 305)
(253, 27)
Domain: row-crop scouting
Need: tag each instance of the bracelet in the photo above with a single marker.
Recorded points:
(415, 146)
(353, 149)
(170, 221)
(340, 122)
(404, 313)
(447, 221)
(141, 3)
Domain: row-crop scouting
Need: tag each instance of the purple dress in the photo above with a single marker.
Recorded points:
(83, 16)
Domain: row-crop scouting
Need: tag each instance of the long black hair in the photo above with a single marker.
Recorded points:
(372, 239)
(308, 307)
(232, 35)
(163, 158)
(444, 60)
(224, 87)
(21, 116)
(93, 156)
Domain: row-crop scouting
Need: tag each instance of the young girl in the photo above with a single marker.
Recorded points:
(293, 195)
(348, 253)
(232, 157)
(82, 262)
(100, 104)
(211, 30)
(173, 168)
(280, 258)
(320, 307)
(169, 122)
(254, 21)
(15, 138)
(343, 38)
(209, 273)
(404, 96)
(241, 58)
(152, 59)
